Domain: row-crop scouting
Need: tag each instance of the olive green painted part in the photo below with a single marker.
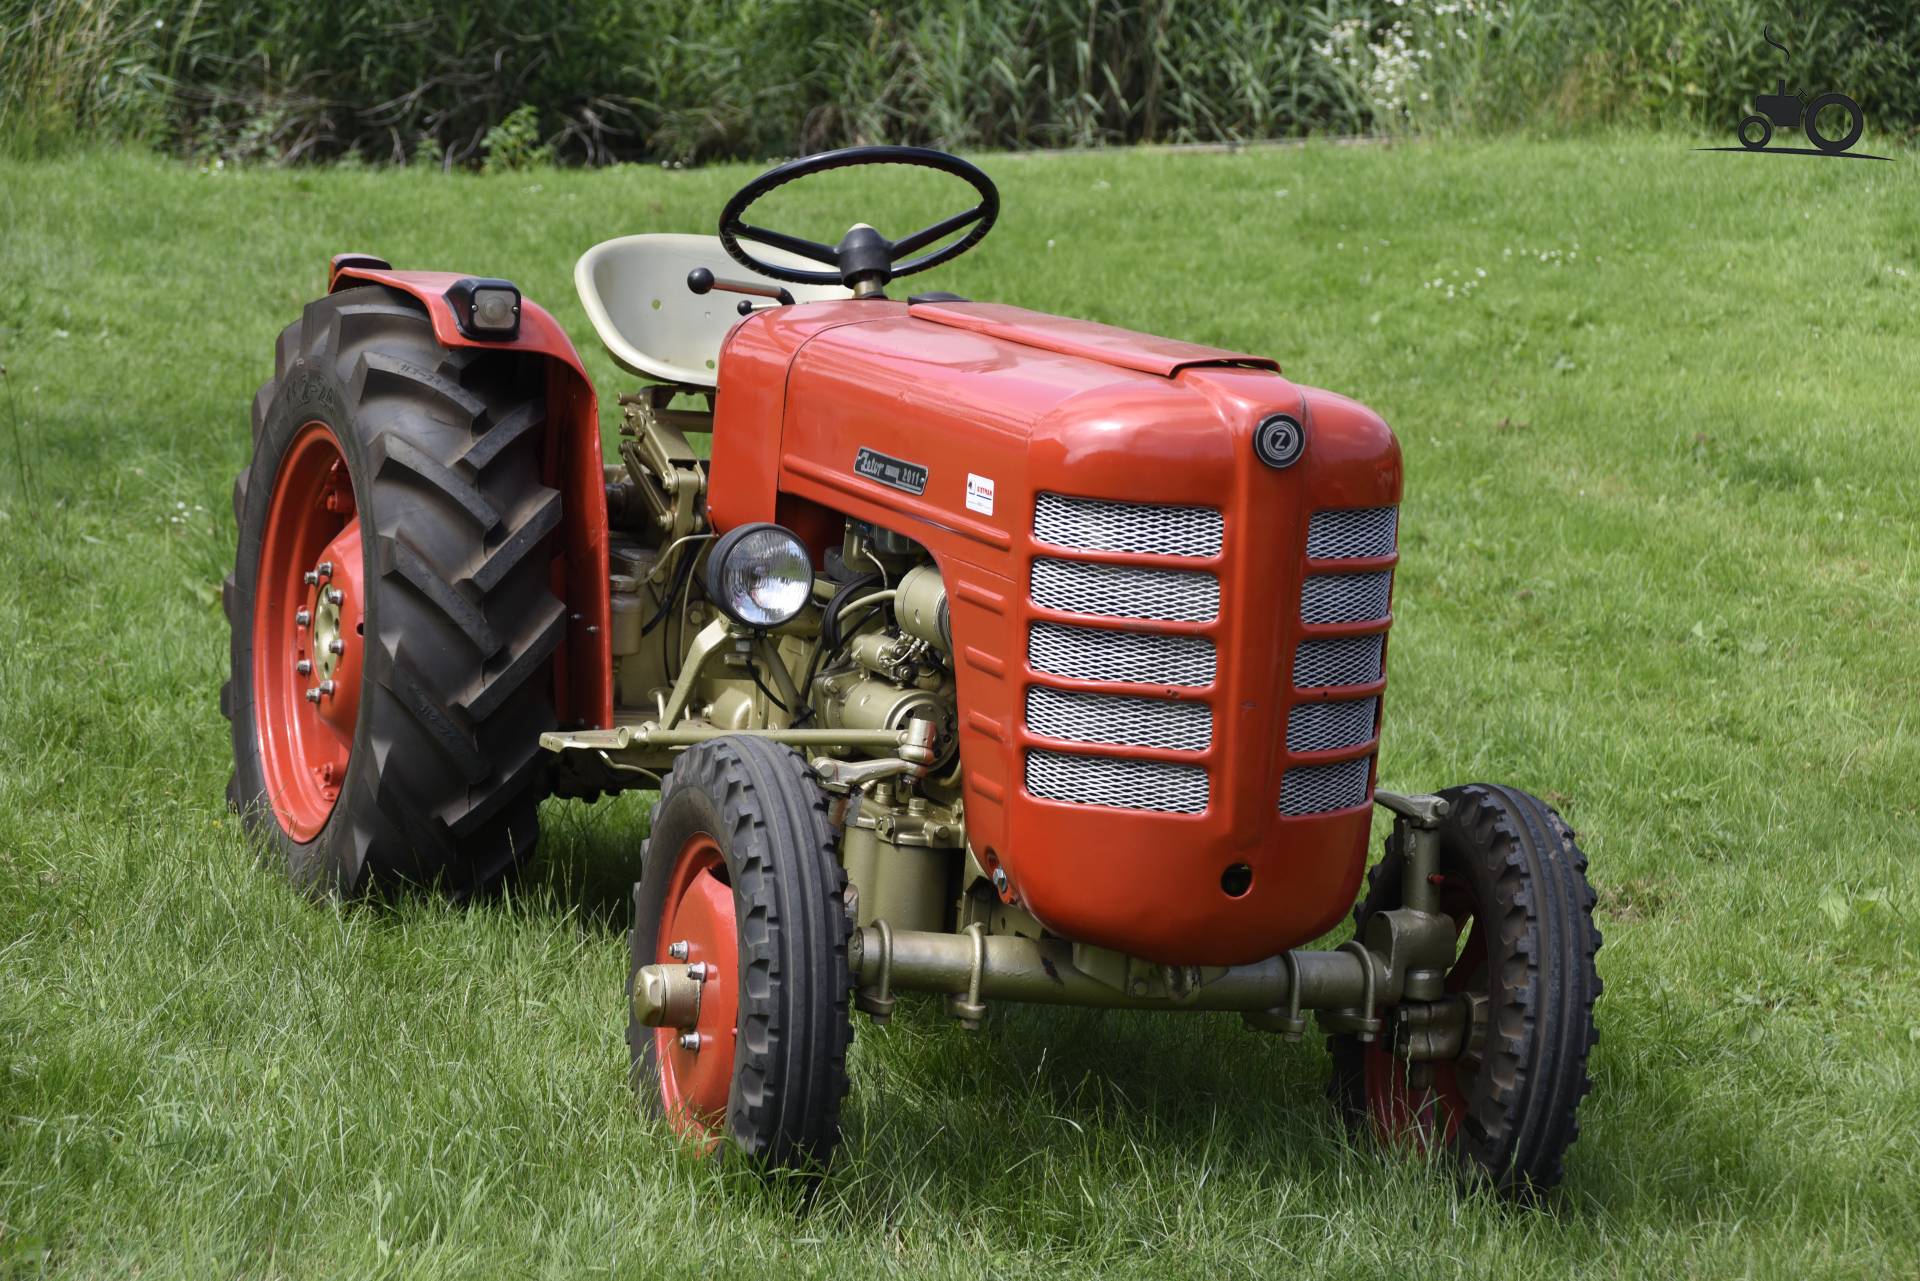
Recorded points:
(666, 995)
(1044, 972)
(666, 478)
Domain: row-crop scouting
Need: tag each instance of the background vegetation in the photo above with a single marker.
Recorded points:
(445, 82)
(1660, 564)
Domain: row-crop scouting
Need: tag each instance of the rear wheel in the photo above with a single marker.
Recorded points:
(1855, 122)
(740, 881)
(393, 627)
(1515, 885)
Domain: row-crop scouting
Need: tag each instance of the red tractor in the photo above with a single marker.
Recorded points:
(984, 653)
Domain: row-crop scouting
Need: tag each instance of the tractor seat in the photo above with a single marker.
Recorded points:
(635, 292)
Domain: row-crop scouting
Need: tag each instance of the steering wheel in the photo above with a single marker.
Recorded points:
(864, 260)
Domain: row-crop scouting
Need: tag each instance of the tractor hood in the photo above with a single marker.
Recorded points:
(1121, 348)
(970, 428)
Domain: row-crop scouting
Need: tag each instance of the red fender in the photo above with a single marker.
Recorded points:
(583, 671)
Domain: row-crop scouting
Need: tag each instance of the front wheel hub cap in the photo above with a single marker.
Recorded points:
(666, 996)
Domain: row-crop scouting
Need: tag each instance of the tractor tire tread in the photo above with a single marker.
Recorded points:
(790, 1074)
(1541, 1033)
(443, 785)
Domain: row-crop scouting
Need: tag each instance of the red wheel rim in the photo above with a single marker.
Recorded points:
(308, 632)
(694, 1083)
(1420, 1105)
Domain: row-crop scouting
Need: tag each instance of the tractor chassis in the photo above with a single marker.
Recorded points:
(1391, 981)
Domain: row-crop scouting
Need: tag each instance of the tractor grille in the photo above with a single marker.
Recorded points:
(1096, 654)
(1324, 727)
(1345, 598)
(1344, 660)
(1117, 782)
(1317, 789)
(1107, 718)
(1331, 662)
(1125, 591)
(1352, 532)
(1096, 590)
(1101, 525)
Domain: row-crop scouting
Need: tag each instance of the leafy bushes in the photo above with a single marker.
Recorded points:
(668, 80)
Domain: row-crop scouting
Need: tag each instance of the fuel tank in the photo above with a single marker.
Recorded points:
(1170, 634)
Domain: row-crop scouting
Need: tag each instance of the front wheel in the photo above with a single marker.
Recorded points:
(1515, 885)
(1755, 132)
(740, 888)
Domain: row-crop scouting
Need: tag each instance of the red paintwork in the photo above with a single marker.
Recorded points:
(584, 669)
(1037, 404)
(1122, 347)
(304, 746)
(694, 1084)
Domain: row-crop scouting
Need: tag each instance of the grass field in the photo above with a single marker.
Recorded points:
(1660, 564)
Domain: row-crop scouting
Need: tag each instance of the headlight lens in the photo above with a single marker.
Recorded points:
(760, 575)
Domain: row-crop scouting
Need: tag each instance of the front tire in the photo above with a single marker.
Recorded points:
(739, 875)
(1515, 884)
(393, 626)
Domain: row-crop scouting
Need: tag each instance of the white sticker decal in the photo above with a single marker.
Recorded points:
(979, 494)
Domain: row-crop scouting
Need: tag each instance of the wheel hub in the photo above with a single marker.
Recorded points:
(1419, 1079)
(689, 995)
(309, 632)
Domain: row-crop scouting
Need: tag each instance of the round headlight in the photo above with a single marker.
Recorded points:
(760, 575)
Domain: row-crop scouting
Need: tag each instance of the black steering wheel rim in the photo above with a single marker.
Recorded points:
(978, 220)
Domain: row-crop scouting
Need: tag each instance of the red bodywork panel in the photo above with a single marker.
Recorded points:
(1037, 404)
(583, 693)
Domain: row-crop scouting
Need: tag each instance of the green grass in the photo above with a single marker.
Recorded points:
(1660, 565)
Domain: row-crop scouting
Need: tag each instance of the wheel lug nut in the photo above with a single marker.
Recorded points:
(311, 577)
(324, 569)
(304, 666)
(335, 596)
(326, 687)
(698, 972)
(313, 696)
(301, 618)
(337, 646)
(677, 951)
(690, 1041)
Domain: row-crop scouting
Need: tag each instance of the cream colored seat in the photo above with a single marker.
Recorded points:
(635, 292)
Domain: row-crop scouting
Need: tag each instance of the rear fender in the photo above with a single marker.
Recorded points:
(583, 672)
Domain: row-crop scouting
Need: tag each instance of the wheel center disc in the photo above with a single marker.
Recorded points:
(308, 632)
(697, 930)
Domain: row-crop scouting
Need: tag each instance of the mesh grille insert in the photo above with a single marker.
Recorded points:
(1345, 660)
(1095, 654)
(1352, 531)
(1112, 718)
(1123, 591)
(1119, 784)
(1103, 525)
(1318, 789)
(1322, 727)
(1345, 598)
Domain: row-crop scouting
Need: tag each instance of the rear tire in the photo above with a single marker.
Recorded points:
(1856, 122)
(1516, 884)
(740, 865)
(449, 623)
